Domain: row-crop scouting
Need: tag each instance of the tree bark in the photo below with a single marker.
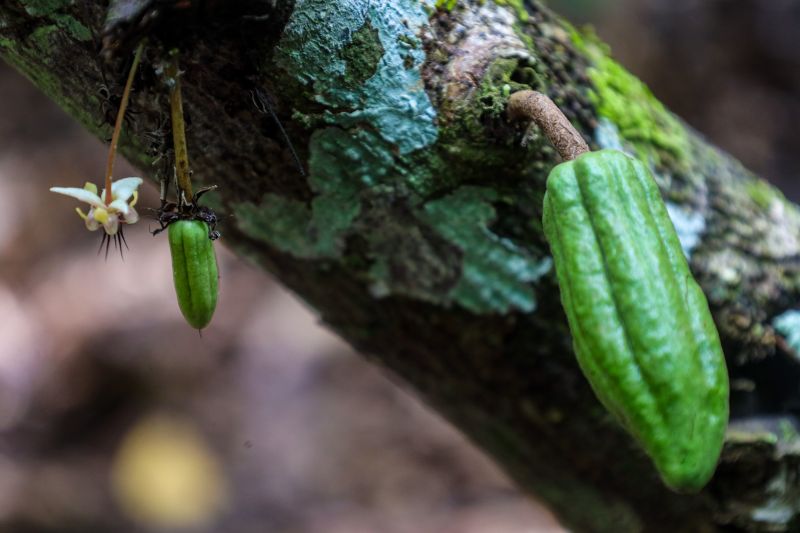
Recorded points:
(415, 231)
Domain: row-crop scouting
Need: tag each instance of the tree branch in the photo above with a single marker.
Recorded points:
(416, 233)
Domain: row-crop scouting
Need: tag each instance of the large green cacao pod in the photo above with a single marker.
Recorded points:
(194, 271)
(641, 327)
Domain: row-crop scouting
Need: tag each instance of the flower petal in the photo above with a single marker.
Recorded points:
(124, 188)
(91, 223)
(81, 194)
(119, 206)
(111, 225)
(132, 217)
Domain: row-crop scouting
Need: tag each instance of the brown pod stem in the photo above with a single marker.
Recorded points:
(179, 130)
(535, 106)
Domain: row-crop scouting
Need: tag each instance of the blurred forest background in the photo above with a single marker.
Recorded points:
(116, 416)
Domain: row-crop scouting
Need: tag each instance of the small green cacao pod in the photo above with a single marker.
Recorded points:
(194, 271)
(641, 327)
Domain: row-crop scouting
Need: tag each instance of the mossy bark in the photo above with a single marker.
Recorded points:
(415, 230)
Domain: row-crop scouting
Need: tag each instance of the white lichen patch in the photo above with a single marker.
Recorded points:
(788, 325)
(782, 238)
(690, 226)
(606, 135)
(727, 266)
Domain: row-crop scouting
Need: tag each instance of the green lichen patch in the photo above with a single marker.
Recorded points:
(55, 11)
(788, 431)
(657, 136)
(43, 8)
(280, 222)
(392, 100)
(361, 55)
(43, 38)
(446, 4)
(340, 166)
(449, 5)
(73, 27)
(518, 6)
(497, 275)
(763, 194)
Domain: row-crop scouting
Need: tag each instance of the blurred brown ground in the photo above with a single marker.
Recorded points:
(308, 437)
